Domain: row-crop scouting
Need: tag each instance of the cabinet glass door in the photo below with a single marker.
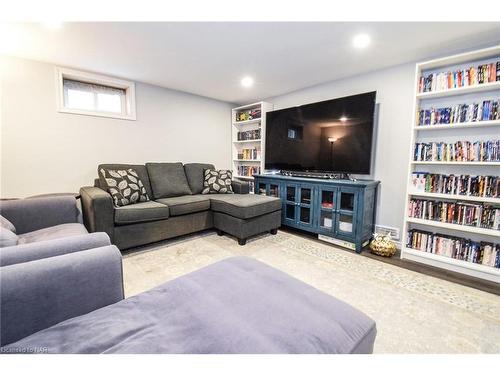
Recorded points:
(305, 206)
(290, 205)
(345, 224)
(274, 190)
(261, 188)
(326, 204)
(327, 199)
(291, 193)
(347, 199)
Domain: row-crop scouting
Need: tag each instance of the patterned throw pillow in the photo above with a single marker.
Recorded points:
(4, 223)
(217, 182)
(125, 186)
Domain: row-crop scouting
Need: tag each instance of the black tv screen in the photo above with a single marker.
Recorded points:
(330, 136)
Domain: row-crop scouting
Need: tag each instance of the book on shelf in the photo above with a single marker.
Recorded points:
(467, 185)
(248, 114)
(249, 154)
(248, 171)
(248, 135)
(479, 252)
(488, 110)
(461, 213)
(471, 76)
(478, 151)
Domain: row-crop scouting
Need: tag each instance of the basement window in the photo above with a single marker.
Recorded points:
(90, 94)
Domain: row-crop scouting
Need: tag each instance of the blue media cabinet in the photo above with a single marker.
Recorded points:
(341, 210)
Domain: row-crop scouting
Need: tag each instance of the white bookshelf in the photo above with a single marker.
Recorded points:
(478, 130)
(258, 144)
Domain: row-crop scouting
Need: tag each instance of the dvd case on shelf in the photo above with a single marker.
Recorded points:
(478, 151)
(479, 252)
(488, 110)
(467, 185)
(474, 75)
(249, 135)
(456, 212)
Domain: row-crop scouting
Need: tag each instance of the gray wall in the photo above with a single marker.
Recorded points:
(44, 151)
(395, 98)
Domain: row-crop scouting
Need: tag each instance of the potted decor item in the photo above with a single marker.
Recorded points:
(383, 245)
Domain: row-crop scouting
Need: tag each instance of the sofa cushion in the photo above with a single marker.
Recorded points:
(217, 181)
(186, 204)
(124, 185)
(4, 223)
(141, 170)
(141, 212)
(194, 174)
(168, 180)
(51, 233)
(244, 206)
(7, 237)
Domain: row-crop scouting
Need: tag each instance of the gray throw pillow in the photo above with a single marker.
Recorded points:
(7, 237)
(125, 186)
(217, 181)
(168, 180)
(4, 223)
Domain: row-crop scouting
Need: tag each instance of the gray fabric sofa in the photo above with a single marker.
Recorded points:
(46, 227)
(261, 310)
(177, 207)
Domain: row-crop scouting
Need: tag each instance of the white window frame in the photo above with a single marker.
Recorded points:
(92, 78)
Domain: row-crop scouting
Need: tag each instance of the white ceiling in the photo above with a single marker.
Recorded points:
(210, 59)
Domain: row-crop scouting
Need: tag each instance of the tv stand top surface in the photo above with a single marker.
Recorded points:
(320, 175)
(322, 180)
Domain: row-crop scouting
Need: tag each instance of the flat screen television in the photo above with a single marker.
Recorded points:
(329, 136)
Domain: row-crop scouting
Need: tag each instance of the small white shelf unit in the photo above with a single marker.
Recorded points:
(480, 130)
(258, 144)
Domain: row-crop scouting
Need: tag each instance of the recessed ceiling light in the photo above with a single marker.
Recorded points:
(52, 25)
(343, 119)
(361, 41)
(247, 82)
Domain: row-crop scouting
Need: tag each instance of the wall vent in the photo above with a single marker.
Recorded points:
(382, 229)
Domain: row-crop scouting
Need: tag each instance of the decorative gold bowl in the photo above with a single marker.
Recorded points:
(383, 246)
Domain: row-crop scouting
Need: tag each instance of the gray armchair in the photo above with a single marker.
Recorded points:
(39, 294)
(45, 227)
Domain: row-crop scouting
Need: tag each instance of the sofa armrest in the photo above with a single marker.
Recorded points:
(39, 294)
(32, 214)
(240, 187)
(98, 210)
(45, 249)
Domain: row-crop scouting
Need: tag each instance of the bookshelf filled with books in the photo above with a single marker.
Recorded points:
(452, 211)
(248, 128)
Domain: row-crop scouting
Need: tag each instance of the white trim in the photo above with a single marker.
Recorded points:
(455, 197)
(459, 125)
(455, 227)
(490, 86)
(87, 77)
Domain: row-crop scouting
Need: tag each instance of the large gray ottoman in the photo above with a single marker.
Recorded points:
(245, 215)
(238, 305)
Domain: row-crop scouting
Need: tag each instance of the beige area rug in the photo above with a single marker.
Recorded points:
(415, 313)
